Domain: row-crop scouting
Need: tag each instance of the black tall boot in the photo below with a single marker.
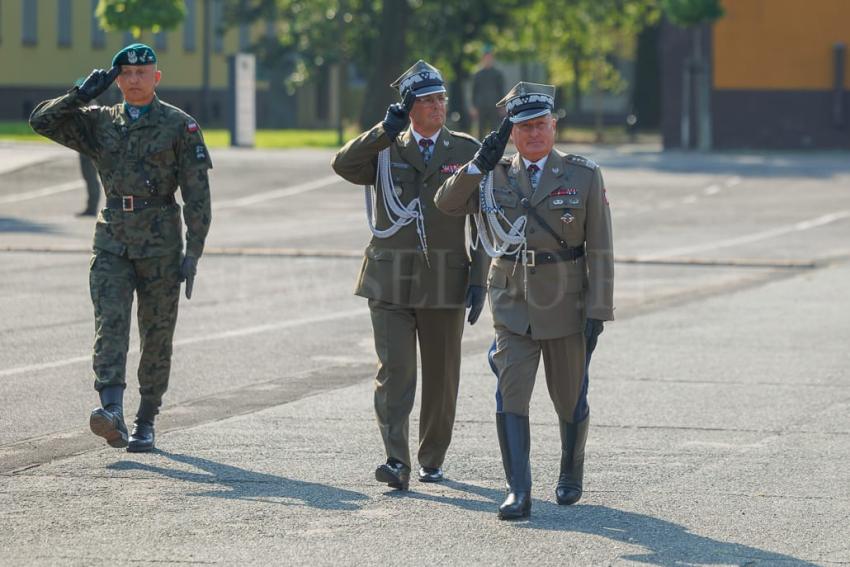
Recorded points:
(573, 440)
(515, 441)
(503, 445)
(107, 421)
(142, 438)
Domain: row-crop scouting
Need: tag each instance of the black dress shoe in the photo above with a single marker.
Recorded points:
(430, 474)
(142, 438)
(395, 473)
(109, 423)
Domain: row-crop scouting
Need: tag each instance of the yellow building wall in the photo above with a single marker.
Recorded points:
(48, 65)
(780, 44)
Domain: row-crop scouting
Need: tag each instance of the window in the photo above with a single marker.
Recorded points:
(29, 23)
(218, 30)
(98, 36)
(63, 26)
(160, 41)
(244, 37)
(189, 26)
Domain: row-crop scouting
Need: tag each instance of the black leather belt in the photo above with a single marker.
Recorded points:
(129, 203)
(533, 258)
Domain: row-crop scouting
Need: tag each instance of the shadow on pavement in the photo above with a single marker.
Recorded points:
(16, 225)
(242, 484)
(667, 543)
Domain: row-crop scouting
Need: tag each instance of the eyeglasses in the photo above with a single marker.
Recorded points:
(434, 100)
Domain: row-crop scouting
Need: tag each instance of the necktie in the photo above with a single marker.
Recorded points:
(425, 145)
(533, 176)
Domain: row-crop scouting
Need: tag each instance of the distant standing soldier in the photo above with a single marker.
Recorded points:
(144, 149)
(550, 284)
(416, 272)
(488, 84)
(89, 171)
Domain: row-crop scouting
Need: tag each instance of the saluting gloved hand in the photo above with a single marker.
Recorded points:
(188, 269)
(475, 295)
(96, 83)
(397, 119)
(493, 147)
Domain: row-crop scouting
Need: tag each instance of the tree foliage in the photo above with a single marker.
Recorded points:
(692, 12)
(578, 41)
(138, 15)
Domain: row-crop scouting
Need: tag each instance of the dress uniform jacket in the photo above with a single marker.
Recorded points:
(147, 158)
(551, 299)
(394, 269)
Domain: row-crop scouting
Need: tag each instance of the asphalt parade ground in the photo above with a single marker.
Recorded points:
(720, 397)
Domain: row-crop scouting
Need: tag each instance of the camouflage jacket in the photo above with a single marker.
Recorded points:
(164, 148)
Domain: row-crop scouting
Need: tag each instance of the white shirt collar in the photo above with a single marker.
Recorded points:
(540, 163)
(419, 136)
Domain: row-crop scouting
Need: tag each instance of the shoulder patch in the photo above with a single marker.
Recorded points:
(582, 161)
(465, 136)
(191, 126)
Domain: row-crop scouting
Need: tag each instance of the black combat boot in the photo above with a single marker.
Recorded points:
(573, 440)
(142, 438)
(515, 440)
(107, 421)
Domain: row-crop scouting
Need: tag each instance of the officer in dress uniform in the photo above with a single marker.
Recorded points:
(143, 149)
(549, 299)
(419, 279)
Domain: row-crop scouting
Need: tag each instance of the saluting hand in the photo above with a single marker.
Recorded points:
(96, 83)
(493, 147)
(397, 118)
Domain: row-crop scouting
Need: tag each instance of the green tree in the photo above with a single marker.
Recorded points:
(452, 35)
(695, 14)
(138, 15)
(579, 42)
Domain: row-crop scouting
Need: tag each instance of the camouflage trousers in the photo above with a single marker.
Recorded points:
(112, 281)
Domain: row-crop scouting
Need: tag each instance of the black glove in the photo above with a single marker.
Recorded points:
(593, 328)
(96, 83)
(475, 295)
(493, 146)
(188, 269)
(397, 119)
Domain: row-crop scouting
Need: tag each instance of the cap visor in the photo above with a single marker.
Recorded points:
(529, 114)
(425, 91)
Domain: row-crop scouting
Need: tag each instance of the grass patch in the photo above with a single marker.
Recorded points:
(217, 138)
(220, 138)
(19, 132)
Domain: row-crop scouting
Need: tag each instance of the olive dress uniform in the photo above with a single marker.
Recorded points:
(413, 297)
(541, 300)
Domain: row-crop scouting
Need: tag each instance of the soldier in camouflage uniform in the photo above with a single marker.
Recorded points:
(143, 149)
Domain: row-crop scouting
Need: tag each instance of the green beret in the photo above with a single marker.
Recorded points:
(135, 54)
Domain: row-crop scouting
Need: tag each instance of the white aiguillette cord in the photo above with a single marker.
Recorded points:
(398, 214)
(496, 232)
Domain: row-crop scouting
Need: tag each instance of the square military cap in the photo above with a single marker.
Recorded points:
(528, 100)
(422, 79)
(135, 54)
